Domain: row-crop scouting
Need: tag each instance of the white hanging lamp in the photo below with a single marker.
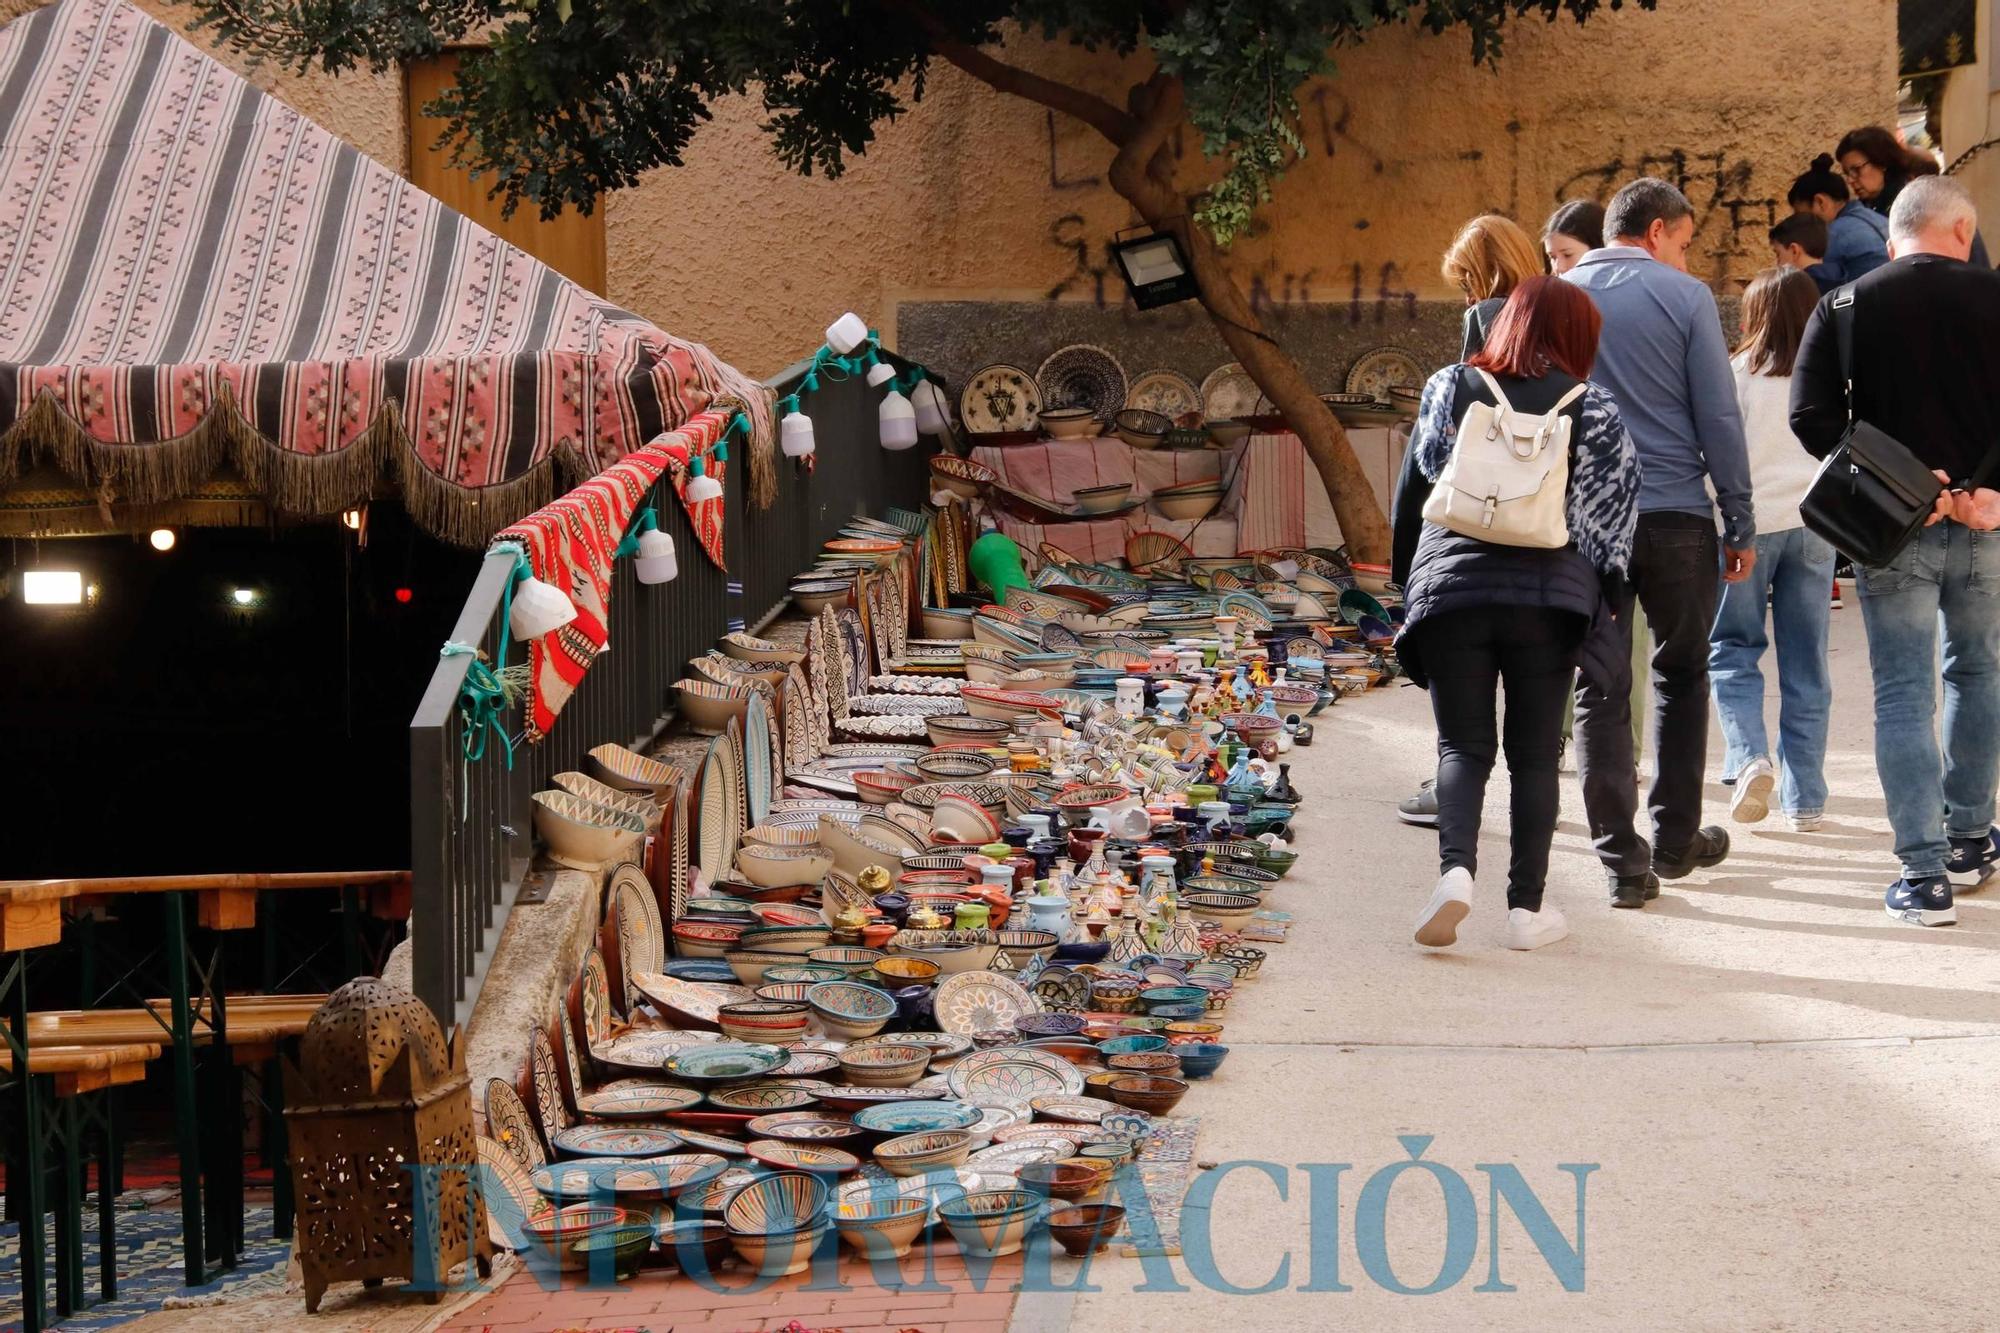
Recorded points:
(930, 405)
(898, 421)
(538, 608)
(656, 561)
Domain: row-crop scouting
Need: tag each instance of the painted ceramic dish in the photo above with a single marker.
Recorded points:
(797, 1157)
(635, 1103)
(696, 1002)
(969, 1002)
(1015, 1077)
(1000, 398)
(906, 1117)
(1381, 369)
(1169, 393)
(614, 1141)
(1228, 391)
(813, 1127)
(1081, 375)
(725, 1062)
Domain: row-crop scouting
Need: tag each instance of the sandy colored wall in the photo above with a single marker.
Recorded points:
(979, 196)
(973, 195)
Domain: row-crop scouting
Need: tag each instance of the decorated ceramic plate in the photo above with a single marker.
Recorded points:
(1229, 392)
(1381, 369)
(693, 1001)
(1080, 1110)
(850, 1099)
(1168, 392)
(1000, 398)
(970, 1002)
(614, 1141)
(639, 1102)
(726, 1061)
(997, 1115)
(757, 767)
(972, 1064)
(1081, 375)
(711, 821)
(807, 1063)
(702, 1141)
(904, 1117)
(1014, 1156)
(739, 804)
(1017, 1079)
(503, 1177)
(513, 1127)
(798, 1157)
(648, 1051)
(804, 1127)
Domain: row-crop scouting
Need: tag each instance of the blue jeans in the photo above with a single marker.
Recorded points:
(1947, 582)
(1795, 569)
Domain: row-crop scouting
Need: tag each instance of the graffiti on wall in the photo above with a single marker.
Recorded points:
(1731, 218)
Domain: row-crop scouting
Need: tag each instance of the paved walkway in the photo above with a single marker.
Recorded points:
(1788, 1097)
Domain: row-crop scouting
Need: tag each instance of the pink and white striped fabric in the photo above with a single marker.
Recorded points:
(174, 245)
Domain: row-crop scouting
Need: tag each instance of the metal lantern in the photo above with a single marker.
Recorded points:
(380, 1114)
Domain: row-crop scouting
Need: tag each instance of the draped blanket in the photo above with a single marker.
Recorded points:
(571, 544)
(193, 274)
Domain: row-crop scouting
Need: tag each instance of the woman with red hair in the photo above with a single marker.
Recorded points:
(1481, 616)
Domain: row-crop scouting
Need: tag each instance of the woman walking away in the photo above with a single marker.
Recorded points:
(1489, 259)
(1516, 421)
(1794, 566)
(1572, 231)
(1857, 237)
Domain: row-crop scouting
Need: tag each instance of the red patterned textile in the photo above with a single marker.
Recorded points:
(570, 544)
(192, 273)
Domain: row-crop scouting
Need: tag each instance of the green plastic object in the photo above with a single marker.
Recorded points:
(996, 562)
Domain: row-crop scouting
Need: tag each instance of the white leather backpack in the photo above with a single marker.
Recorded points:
(1507, 480)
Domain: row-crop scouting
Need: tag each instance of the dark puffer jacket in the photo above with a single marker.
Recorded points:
(1443, 571)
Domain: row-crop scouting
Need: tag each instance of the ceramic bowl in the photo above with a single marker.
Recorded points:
(1133, 1044)
(780, 1253)
(749, 964)
(1081, 427)
(961, 476)
(776, 867)
(584, 835)
(1048, 1025)
(947, 623)
(558, 1232)
(786, 991)
(879, 786)
(1192, 1030)
(884, 1066)
(811, 974)
(1086, 1229)
(1231, 911)
(1200, 1059)
(1142, 429)
(640, 805)
(762, 1098)
(797, 941)
(708, 707)
(1023, 945)
(1182, 508)
(705, 939)
(957, 729)
(1155, 1094)
(879, 1228)
(849, 1009)
(951, 763)
(1061, 1180)
(774, 1022)
(1225, 430)
(992, 1223)
(617, 766)
(1166, 1062)
(1102, 499)
(819, 1161)
(846, 957)
(915, 1154)
(748, 648)
(778, 1202)
(698, 1247)
(812, 596)
(900, 970)
(623, 1246)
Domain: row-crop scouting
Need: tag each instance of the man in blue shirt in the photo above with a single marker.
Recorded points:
(1663, 358)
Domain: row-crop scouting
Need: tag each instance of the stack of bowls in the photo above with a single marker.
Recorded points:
(776, 1221)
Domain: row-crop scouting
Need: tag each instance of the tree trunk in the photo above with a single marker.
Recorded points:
(1142, 172)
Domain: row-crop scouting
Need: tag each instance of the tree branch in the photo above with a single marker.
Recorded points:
(1162, 104)
(1089, 108)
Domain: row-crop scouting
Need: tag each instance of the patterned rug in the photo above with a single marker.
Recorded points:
(149, 1267)
(1166, 1165)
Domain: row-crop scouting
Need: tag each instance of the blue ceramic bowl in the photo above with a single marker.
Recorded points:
(1084, 951)
(1176, 1012)
(1156, 996)
(1133, 1045)
(1199, 1059)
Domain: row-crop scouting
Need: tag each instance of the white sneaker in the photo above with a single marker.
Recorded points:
(1752, 801)
(1803, 823)
(1437, 924)
(1531, 930)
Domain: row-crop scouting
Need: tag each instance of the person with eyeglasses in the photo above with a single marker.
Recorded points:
(1877, 165)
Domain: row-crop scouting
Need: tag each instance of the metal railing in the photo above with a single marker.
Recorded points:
(471, 831)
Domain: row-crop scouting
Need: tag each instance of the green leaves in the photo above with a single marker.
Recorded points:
(571, 98)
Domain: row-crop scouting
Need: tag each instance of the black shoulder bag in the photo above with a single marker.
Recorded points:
(1871, 495)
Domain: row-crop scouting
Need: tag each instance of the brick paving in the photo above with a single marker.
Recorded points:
(660, 1299)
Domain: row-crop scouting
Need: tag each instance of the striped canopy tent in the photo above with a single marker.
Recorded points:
(197, 281)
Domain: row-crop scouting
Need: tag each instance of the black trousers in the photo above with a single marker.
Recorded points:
(1468, 656)
(1674, 563)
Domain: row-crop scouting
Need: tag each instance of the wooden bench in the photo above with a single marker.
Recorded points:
(71, 1074)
